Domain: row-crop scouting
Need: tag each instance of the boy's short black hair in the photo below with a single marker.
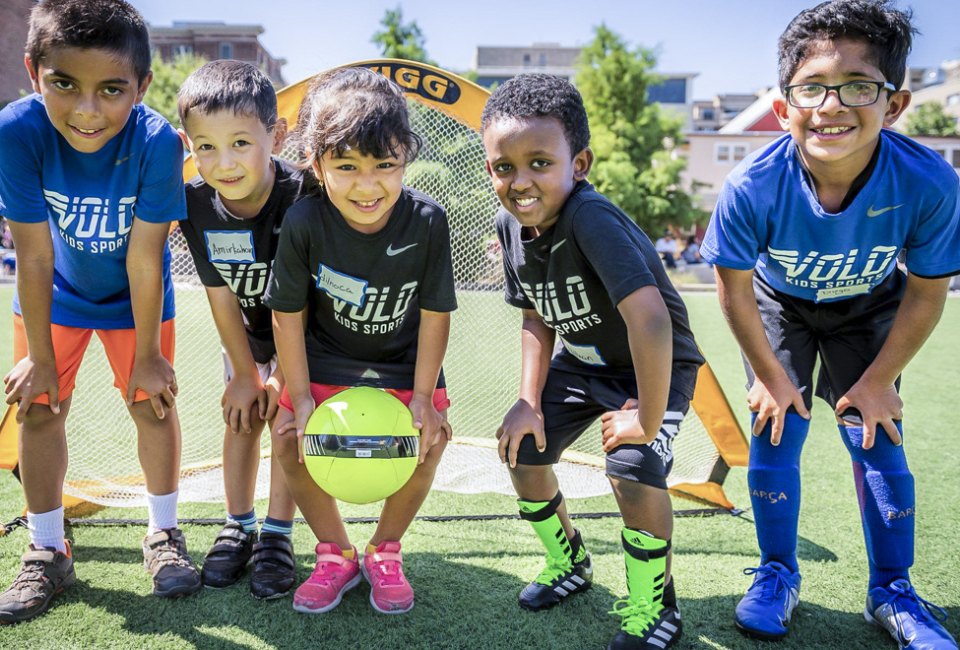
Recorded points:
(536, 94)
(885, 29)
(112, 25)
(228, 85)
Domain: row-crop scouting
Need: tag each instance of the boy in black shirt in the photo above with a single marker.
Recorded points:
(581, 269)
(235, 206)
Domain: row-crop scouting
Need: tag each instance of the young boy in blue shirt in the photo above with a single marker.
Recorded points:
(581, 270)
(90, 180)
(235, 206)
(805, 237)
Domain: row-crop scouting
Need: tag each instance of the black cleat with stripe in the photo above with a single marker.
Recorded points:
(645, 628)
(560, 578)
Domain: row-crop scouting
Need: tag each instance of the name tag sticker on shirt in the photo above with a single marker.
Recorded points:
(234, 246)
(843, 292)
(588, 354)
(342, 286)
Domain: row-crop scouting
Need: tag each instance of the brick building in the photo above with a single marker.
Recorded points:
(13, 36)
(217, 40)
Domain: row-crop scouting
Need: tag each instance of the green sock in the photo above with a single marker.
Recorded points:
(645, 557)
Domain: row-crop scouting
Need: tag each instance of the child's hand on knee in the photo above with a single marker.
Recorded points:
(522, 419)
(771, 402)
(623, 428)
(154, 376)
(303, 408)
(243, 394)
(27, 381)
(432, 425)
(878, 405)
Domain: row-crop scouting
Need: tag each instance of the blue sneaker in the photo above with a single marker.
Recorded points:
(764, 611)
(913, 622)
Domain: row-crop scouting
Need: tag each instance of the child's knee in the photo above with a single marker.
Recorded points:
(285, 448)
(530, 476)
(147, 422)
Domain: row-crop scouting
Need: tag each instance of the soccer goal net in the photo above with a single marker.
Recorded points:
(482, 365)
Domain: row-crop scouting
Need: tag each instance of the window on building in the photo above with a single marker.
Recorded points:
(729, 152)
(526, 59)
(941, 152)
(707, 114)
(955, 159)
(543, 60)
(182, 50)
(669, 91)
(226, 50)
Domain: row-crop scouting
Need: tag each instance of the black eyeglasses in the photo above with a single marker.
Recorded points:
(851, 94)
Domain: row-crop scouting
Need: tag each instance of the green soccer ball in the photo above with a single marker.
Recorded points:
(360, 445)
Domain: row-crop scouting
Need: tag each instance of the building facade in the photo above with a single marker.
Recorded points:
(217, 40)
(712, 155)
(13, 37)
(496, 64)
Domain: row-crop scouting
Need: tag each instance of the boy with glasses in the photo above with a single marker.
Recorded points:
(805, 238)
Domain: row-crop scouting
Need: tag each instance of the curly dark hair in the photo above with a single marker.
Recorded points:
(112, 25)
(541, 95)
(886, 30)
(359, 109)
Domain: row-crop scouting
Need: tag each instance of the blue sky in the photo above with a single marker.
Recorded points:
(730, 43)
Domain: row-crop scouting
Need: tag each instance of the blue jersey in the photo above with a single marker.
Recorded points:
(90, 201)
(768, 217)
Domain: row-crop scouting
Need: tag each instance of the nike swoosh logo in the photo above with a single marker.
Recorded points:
(276, 230)
(875, 213)
(391, 251)
(558, 244)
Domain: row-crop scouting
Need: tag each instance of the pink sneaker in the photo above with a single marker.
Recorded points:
(390, 593)
(333, 576)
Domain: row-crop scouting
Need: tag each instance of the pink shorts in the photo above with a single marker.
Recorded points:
(323, 392)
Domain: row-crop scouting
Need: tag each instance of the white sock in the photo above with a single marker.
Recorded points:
(46, 529)
(163, 511)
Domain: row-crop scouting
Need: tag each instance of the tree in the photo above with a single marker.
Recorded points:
(930, 119)
(633, 140)
(399, 40)
(167, 79)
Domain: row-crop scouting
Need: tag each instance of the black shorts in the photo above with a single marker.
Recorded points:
(844, 335)
(572, 402)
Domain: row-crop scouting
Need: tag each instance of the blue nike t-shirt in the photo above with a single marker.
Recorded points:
(90, 201)
(768, 217)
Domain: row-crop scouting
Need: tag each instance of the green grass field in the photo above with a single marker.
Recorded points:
(467, 574)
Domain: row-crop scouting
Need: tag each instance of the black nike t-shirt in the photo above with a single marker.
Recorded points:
(363, 292)
(237, 253)
(574, 276)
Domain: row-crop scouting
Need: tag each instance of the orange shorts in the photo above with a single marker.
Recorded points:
(323, 392)
(70, 343)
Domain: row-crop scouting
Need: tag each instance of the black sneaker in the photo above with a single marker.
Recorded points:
(274, 569)
(646, 626)
(559, 579)
(228, 557)
(165, 558)
(45, 572)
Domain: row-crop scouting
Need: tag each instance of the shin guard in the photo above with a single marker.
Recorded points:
(885, 492)
(542, 515)
(774, 481)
